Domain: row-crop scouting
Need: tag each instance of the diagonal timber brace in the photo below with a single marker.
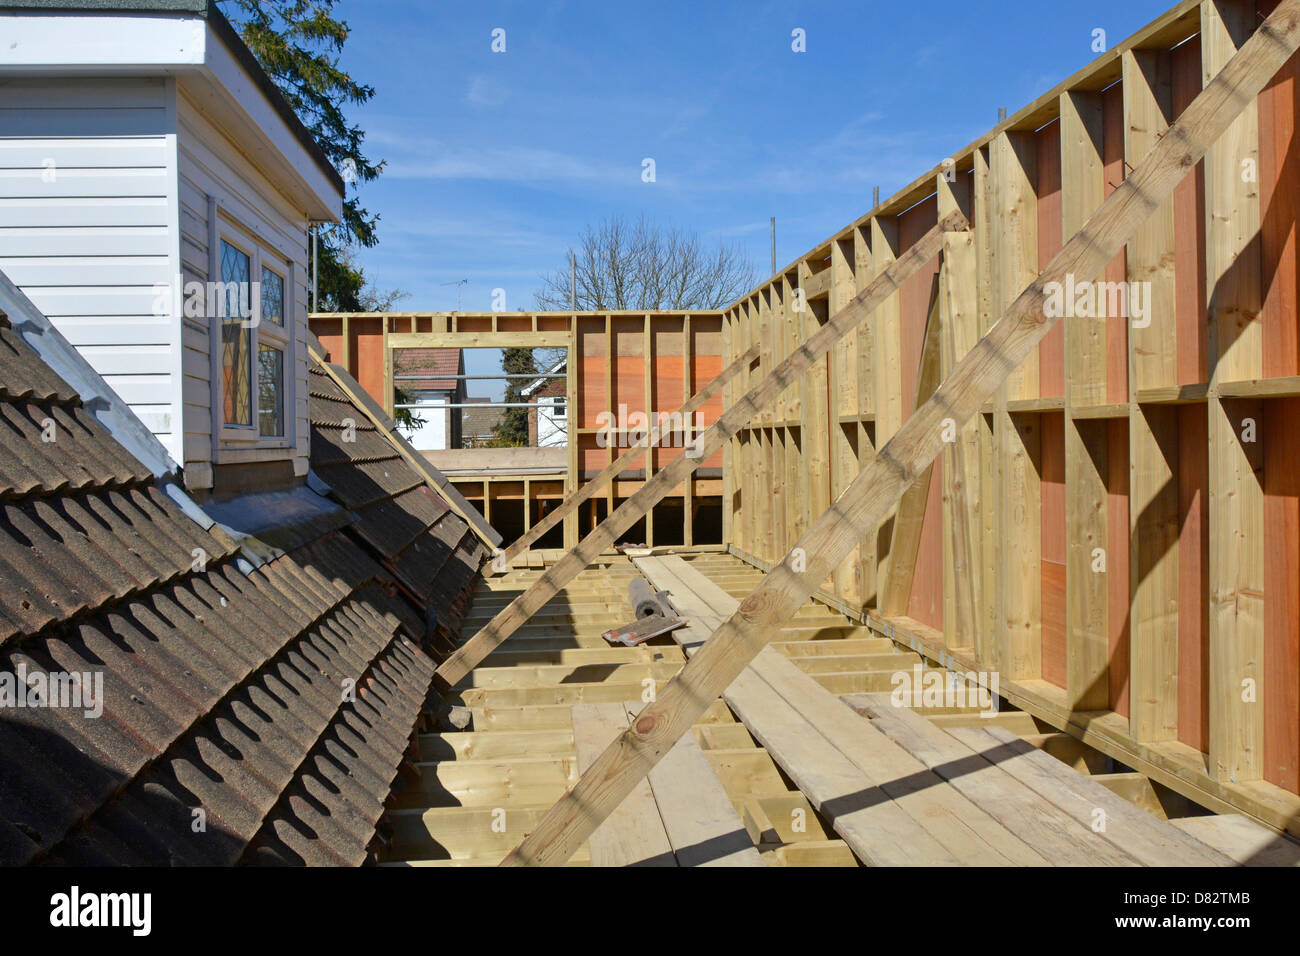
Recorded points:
(625, 460)
(865, 503)
(468, 655)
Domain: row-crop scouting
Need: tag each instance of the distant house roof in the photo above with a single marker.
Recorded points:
(224, 688)
(437, 364)
(208, 10)
(479, 423)
(544, 383)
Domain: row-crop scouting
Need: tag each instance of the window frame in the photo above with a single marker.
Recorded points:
(263, 332)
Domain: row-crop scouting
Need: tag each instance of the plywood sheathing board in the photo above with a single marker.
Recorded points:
(761, 396)
(865, 503)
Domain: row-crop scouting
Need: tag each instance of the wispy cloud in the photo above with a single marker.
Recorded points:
(486, 91)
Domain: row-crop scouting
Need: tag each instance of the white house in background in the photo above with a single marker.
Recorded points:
(144, 154)
(548, 422)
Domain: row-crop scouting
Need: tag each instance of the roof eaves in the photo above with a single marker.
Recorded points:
(208, 10)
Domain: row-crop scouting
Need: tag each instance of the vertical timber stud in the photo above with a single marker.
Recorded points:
(905, 540)
(844, 410)
(1148, 109)
(887, 357)
(688, 498)
(1086, 529)
(958, 332)
(507, 621)
(726, 653)
(816, 414)
(863, 274)
(647, 355)
(1153, 429)
(1014, 251)
(989, 535)
(1082, 190)
(573, 476)
(729, 461)
(1233, 286)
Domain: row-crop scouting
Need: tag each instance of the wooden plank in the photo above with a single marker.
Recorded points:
(1233, 283)
(861, 507)
(477, 340)
(1148, 839)
(503, 625)
(1148, 108)
(1013, 167)
(1061, 840)
(633, 835)
(697, 815)
(905, 542)
(1241, 838)
(963, 833)
(1082, 190)
(962, 493)
(628, 458)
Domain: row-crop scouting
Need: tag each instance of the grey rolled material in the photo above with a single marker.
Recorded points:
(644, 599)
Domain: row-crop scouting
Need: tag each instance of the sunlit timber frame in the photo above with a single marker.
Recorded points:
(660, 359)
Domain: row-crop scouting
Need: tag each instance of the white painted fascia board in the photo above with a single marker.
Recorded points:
(126, 41)
(189, 49)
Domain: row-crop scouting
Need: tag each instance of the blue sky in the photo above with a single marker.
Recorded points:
(496, 161)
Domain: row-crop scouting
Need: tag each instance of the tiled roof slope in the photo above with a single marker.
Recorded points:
(274, 708)
(429, 548)
(439, 366)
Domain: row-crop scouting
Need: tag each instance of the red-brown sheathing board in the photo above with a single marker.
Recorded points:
(1112, 147)
(1279, 181)
(915, 297)
(1051, 351)
(1117, 564)
(1052, 541)
(1279, 690)
(1189, 233)
(1193, 577)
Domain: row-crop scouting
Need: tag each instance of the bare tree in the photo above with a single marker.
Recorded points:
(624, 264)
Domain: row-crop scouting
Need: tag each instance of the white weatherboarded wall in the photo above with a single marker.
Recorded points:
(212, 167)
(87, 226)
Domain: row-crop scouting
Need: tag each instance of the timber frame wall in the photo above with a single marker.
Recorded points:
(1119, 530)
(646, 361)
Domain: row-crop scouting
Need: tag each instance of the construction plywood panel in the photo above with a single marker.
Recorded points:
(1112, 119)
(1279, 185)
(926, 601)
(1117, 564)
(1193, 578)
(1052, 531)
(367, 349)
(669, 375)
(915, 297)
(1051, 351)
(1280, 693)
(1189, 233)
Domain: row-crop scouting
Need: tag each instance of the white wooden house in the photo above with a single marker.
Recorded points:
(143, 155)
